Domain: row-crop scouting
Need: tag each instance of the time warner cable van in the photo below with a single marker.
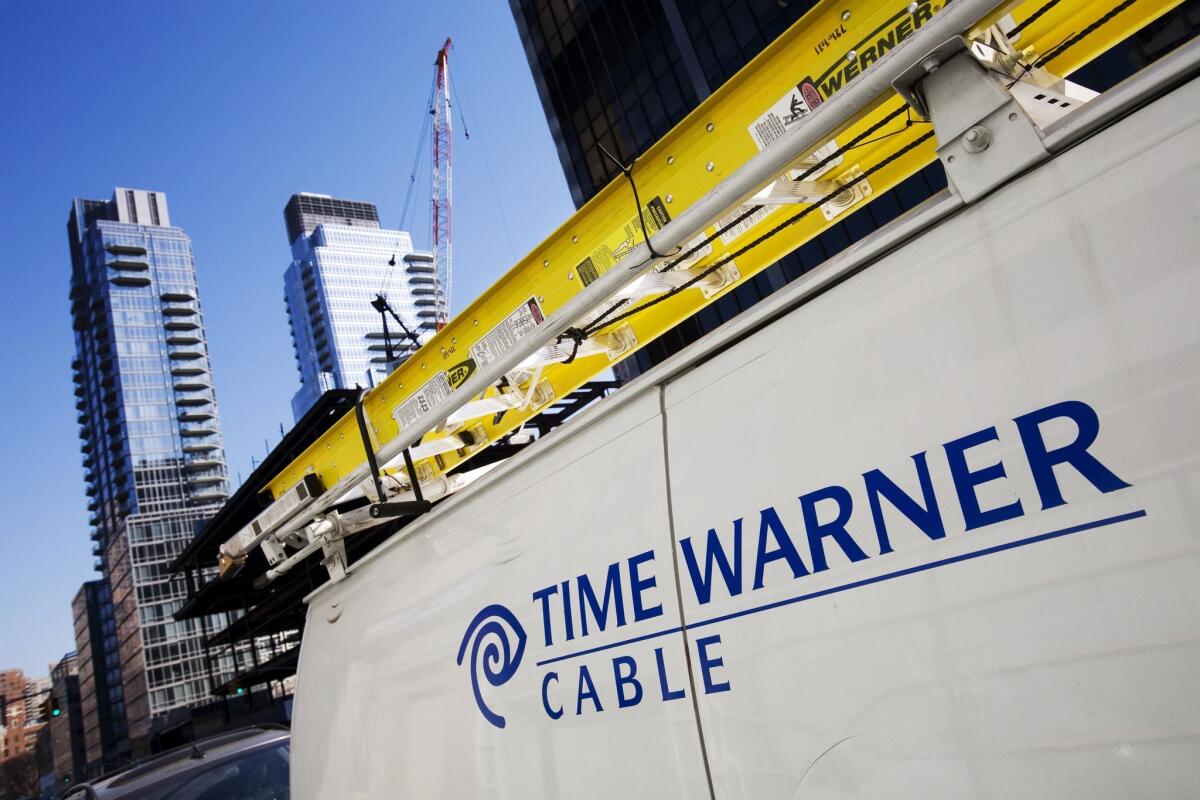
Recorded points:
(923, 524)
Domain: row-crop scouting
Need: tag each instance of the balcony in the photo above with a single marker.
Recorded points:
(197, 432)
(185, 355)
(195, 416)
(421, 280)
(183, 339)
(130, 281)
(129, 266)
(179, 311)
(191, 386)
(205, 480)
(177, 297)
(181, 325)
(125, 250)
(199, 448)
(202, 400)
(209, 496)
(198, 464)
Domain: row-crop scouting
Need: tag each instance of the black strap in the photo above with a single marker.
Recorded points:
(577, 336)
(366, 440)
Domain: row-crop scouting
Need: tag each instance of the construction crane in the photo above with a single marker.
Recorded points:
(442, 184)
(762, 166)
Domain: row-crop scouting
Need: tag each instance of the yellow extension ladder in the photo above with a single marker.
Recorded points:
(594, 293)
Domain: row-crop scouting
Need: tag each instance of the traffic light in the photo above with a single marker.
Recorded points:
(50, 708)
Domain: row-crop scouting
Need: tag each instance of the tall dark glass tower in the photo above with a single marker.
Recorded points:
(152, 450)
(621, 73)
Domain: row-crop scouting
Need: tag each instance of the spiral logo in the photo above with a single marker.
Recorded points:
(497, 643)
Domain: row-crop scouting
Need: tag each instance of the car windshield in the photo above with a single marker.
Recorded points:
(258, 775)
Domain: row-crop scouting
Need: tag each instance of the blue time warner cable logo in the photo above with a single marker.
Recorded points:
(819, 530)
(493, 651)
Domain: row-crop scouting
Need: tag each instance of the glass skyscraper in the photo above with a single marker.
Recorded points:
(152, 454)
(341, 259)
(621, 73)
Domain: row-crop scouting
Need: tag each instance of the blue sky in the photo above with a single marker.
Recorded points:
(229, 107)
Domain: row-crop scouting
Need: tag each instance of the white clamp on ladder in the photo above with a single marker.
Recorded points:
(988, 103)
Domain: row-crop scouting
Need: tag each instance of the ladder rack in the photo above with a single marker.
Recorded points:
(808, 132)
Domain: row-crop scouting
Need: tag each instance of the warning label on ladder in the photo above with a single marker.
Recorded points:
(430, 394)
(788, 111)
(623, 241)
(512, 329)
(749, 222)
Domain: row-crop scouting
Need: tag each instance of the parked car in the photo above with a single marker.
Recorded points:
(247, 764)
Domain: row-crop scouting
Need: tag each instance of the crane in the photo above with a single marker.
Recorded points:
(442, 184)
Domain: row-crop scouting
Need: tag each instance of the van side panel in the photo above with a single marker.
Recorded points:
(385, 709)
(969, 495)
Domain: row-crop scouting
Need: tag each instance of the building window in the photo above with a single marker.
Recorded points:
(131, 206)
(154, 219)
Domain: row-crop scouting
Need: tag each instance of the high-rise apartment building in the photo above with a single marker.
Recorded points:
(101, 691)
(66, 730)
(152, 449)
(621, 73)
(20, 712)
(341, 259)
(12, 713)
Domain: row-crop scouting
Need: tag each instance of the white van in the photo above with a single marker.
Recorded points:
(924, 524)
